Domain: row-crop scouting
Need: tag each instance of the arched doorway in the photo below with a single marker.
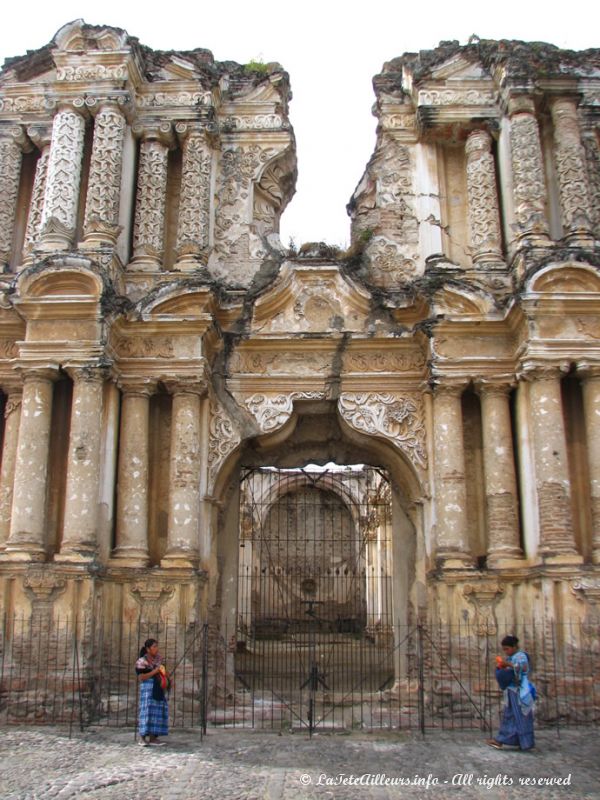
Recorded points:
(318, 558)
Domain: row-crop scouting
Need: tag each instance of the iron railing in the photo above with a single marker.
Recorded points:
(422, 676)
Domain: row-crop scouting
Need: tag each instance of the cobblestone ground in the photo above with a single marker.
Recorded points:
(106, 764)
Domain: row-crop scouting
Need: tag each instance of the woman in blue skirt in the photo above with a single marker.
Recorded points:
(154, 709)
(512, 674)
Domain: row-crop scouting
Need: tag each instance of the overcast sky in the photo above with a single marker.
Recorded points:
(331, 50)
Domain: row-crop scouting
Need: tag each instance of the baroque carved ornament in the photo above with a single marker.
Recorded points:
(398, 418)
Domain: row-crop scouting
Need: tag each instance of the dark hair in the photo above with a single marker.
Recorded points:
(147, 645)
(509, 641)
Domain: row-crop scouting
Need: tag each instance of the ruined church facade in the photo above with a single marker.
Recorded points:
(157, 341)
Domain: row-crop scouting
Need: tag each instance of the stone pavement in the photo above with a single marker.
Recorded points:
(106, 764)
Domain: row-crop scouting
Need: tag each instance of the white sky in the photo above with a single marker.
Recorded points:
(331, 50)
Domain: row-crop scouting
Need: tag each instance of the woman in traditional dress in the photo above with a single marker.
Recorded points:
(154, 709)
(512, 673)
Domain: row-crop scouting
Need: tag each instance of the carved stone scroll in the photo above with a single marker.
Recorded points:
(395, 417)
(223, 439)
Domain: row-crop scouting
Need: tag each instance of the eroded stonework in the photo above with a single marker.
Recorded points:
(157, 341)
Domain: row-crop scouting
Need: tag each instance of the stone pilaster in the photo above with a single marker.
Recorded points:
(500, 479)
(194, 206)
(482, 194)
(41, 136)
(529, 185)
(551, 466)
(28, 520)
(12, 417)
(150, 205)
(101, 223)
(61, 199)
(184, 495)
(12, 141)
(451, 493)
(570, 159)
(79, 540)
(591, 402)
(132, 483)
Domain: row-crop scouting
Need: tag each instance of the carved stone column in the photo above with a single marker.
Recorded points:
(149, 221)
(482, 194)
(184, 488)
(79, 541)
(529, 185)
(571, 169)
(451, 494)
(12, 142)
(194, 205)
(101, 223)
(591, 401)
(41, 136)
(500, 479)
(12, 417)
(61, 200)
(132, 485)
(28, 521)
(551, 466)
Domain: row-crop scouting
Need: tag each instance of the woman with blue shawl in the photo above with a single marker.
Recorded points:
(154, 709)
(512, 674)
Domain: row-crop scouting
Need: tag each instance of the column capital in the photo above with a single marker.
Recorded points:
(40, 135)
(87, 373)
(48, 373)
(542, 372)
(76, 105)
(17, 134)
(11, 384)
(185, 384)
(501, 386)
(520, 104)
(448, 387)
(154, 130)
(478, 141)
(137, 386)
(188, 129)
(588, 371)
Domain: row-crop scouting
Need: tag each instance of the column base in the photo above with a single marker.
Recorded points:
(505, 559)
(186, 559)
(566, 559)
(188, 264)
(144, 264)
(73, 557)
(455, 561)
(23, 553)
(596, 557)
(129, 557)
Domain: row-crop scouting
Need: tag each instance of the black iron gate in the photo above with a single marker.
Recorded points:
(315, 624)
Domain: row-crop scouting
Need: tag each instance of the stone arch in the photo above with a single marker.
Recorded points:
(565, 279)
(454, 301)
(61, 282)
(319, 435)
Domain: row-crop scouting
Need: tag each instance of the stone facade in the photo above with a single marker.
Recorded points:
(156, 338)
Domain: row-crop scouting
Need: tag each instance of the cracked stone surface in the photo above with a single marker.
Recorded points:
(106, 764)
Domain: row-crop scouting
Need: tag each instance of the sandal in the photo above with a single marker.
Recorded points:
(142, 742)
(494, 743)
